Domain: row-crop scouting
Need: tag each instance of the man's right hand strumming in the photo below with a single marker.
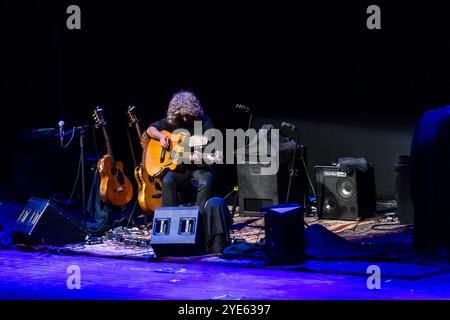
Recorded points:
(164, 140)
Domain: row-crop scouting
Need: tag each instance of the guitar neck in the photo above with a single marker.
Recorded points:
(139, 132)
(109, 146)
(138, 129)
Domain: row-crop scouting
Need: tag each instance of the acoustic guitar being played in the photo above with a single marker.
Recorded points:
(149, 188)
(115, 187)
(160, 160)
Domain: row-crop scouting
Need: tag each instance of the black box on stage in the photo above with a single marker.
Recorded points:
(284, 228)
(345, 196)
(43, 222)
(257, 191)
(177, 231)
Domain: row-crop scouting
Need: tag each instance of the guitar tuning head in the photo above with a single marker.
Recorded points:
(98, 117)
(132, 116)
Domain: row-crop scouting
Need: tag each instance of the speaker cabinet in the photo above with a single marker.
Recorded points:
(345, 196)
(43, 222)
(258, 191)
(177, 231)
(284, 227)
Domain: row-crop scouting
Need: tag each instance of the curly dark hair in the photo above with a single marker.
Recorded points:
(184, 103)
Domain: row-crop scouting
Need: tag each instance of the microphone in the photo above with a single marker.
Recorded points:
(61, 131)
(288, 125)
(83, 127)
(43, 131)
(242, 108)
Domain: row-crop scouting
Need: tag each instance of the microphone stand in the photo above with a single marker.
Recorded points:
(250, 119)
(235, 190)
(81, 130)
(83, 175)
(292, 171)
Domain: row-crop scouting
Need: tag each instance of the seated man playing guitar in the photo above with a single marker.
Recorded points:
(184, 108)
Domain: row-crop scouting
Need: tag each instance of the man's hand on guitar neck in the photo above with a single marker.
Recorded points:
(145, 140)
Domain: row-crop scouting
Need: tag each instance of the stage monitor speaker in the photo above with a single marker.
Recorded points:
(345, 196)
(284, 240)
(258, 191)
(177, 231)
(43, 222)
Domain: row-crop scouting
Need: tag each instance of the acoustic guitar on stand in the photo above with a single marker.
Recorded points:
(115, 187)
(150, 188)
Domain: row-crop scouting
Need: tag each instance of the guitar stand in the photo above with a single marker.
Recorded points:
(129, 215)
(124, 216)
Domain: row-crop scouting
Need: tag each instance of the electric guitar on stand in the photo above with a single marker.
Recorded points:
(115, 187)
(149, 188)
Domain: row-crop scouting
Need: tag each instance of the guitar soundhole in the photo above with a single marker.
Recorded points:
(119, 177)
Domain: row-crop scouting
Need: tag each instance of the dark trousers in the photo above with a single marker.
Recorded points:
(172, 181)
(217, 225)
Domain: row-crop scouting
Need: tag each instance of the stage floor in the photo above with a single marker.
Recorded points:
(32, 275)
(42, 274)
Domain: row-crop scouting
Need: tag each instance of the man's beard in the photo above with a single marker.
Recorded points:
(183, 123)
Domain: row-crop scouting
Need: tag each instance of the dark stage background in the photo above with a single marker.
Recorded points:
(351, 91)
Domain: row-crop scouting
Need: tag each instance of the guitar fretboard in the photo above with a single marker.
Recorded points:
(109, 149)
(139, 132)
